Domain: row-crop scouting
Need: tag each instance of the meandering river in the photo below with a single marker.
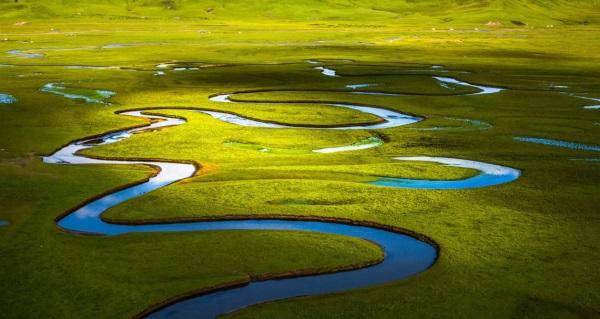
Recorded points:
(404, 255)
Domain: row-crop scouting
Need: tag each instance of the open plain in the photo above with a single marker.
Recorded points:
(469, 127)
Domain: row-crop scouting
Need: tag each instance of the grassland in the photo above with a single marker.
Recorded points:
(526, 249)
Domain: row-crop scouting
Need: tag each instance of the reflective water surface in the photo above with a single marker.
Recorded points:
(472, 126)
(7, 99)
(558, 143)
(405, 255)
(89, 95)
(326, 71)
(489, 175)
(483, 89)
(365, 144)
(392, 118)
(26, 55)
(590, 107)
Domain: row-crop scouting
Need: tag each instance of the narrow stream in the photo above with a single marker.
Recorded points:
(391, 118)
(405, 255)
(565, 144)
(489, 175)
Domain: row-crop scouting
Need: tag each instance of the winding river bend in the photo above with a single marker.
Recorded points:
(404, 255)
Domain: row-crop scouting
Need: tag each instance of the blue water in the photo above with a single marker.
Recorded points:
(474, 125)
(391, 118)
(7, 99)
(558, 143)
(489, 175)
(89, 95)
(26, 55)
(405, 255)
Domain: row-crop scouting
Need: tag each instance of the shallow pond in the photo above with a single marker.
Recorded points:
(89, 95)
(7, 99)
(558, 143)
(326, 71)
(26, 55)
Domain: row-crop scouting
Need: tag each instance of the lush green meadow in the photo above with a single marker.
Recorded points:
(525, 249)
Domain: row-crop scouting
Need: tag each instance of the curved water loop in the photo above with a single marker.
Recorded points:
(489, 175)
(442, 81)
(405, 255)
(578, 95)
(483, 89)
(390, 118)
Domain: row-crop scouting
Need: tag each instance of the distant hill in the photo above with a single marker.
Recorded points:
(427, 12)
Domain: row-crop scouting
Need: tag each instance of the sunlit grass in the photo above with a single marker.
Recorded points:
(523, 249)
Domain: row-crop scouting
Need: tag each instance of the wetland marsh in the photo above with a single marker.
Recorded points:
(451, 171)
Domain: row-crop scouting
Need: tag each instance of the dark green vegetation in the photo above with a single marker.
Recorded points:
(46, 272)
(527, 249)
(369, 14)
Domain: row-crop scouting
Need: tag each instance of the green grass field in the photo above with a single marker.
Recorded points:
(525, 249)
